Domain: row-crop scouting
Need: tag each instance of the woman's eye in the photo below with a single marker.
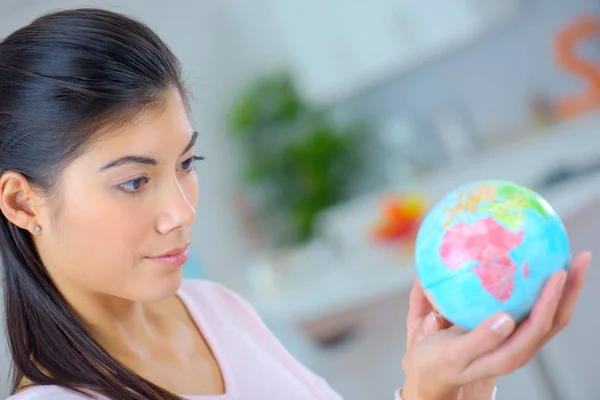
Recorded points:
(134, 185)
(188, 164)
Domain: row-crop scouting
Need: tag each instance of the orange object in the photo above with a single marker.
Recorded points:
(401, 217)
(566, 52)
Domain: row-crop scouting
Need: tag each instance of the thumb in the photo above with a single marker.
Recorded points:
(485, 338)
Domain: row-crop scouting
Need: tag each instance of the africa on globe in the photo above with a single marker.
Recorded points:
(489, 246)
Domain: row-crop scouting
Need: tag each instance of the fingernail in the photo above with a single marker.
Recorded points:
(503, 325)
(431, 323)
(563, 281)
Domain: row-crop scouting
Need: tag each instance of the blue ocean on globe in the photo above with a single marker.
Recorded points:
(489, 246)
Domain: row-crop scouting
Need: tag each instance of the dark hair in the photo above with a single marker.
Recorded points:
(64, 78)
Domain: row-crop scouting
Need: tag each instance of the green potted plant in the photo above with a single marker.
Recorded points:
(296, 161)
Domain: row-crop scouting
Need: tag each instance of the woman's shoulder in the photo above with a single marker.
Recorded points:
(201, 291)
(47, 393)
(216, 299)
(203, 287)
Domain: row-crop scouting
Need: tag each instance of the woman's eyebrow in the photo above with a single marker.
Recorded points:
(131, 159)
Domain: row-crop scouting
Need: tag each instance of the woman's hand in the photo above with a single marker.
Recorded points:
(441, 362)
(423, 320)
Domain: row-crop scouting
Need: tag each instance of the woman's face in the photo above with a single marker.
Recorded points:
(121, 206)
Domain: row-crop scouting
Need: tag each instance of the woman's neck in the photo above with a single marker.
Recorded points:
(122, 327)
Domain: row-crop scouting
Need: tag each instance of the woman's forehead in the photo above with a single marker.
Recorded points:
(156, 131)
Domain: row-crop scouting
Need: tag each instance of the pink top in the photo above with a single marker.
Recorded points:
(253, 362)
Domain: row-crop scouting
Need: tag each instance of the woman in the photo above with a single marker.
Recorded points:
(97, 199)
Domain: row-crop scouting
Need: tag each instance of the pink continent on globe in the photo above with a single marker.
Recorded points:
(487, 243)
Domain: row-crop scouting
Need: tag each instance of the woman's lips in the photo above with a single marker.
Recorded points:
(174, 258)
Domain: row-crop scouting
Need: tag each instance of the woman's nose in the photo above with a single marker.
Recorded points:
(178, 211)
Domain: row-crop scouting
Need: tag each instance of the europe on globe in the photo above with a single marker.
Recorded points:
(489, 246)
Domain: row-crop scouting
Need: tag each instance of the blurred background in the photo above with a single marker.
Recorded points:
(330, 127)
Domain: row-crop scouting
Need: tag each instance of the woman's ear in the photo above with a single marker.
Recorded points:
(17, 201)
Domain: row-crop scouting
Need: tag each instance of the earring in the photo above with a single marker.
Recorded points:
(37, 229)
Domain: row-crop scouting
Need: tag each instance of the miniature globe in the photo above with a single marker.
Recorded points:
(489, 246)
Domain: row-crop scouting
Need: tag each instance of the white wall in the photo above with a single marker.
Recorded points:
(492, 80)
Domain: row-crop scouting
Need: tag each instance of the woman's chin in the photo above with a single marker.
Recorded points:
(161, 289)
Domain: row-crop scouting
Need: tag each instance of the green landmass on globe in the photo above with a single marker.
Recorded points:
(507, 203)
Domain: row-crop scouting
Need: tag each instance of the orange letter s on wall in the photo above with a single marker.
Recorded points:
(566, 52)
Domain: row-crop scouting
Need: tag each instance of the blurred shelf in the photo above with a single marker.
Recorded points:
(335, 291)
